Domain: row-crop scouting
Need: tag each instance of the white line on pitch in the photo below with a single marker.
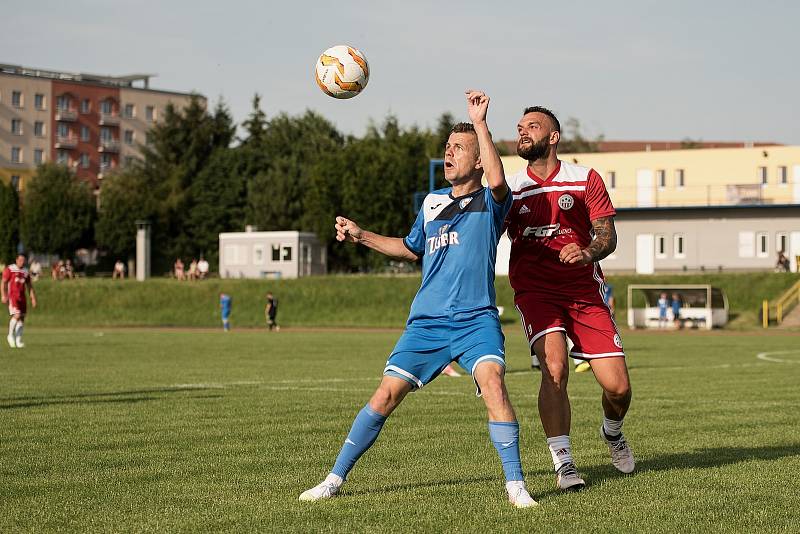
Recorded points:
(766, 356)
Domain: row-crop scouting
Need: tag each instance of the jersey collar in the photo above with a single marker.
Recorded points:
(539, 180)
(473, 194)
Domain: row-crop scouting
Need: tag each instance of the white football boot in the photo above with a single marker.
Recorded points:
(518, 495)
(568, 479)
(326, 489)
(621, 453)
(20, 344)
(11, 341)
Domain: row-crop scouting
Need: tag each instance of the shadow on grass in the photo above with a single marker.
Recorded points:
(416, 485)
(697, 459)
(91, 398)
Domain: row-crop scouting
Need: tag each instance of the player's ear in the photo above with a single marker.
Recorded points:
(555, 137)
(478, 163)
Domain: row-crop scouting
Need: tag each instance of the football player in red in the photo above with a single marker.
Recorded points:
(561, 224)
(16, 281)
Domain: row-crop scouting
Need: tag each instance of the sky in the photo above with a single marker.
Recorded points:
(637, 70)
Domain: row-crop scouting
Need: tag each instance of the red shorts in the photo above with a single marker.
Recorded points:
(16, 307)
(589, 325)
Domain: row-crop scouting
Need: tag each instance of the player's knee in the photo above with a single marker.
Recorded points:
(619, 392)
(384, 400)
(554, 371)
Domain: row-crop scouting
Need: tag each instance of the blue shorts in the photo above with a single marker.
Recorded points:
(429, 345)
(226, 315)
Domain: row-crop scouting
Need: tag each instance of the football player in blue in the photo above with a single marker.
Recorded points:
(453, 317)
(225, 304)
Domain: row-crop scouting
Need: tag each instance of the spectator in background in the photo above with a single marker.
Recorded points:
(119, 270)
(676, 310)
(202, 268)
(55, 270)
(193, 270)
(178, 267)
(663, 304)
(69, 270)
(35, 270)
(271, 312)
(782, 265)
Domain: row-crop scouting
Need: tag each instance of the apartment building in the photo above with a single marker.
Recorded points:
(93, 124)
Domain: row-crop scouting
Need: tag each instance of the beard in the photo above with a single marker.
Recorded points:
(536, 150)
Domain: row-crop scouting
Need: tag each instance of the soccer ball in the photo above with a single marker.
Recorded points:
(342, 71)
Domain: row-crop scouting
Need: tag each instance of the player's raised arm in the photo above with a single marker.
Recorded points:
(477, 107)
(347, 230)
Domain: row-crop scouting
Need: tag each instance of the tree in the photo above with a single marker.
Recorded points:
(219, 196)
(9, 223)
(58, 211)
(256, 124)
(180, 149)
(125, 198)
(573, 140)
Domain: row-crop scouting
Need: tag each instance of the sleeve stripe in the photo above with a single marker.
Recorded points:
(415, 252)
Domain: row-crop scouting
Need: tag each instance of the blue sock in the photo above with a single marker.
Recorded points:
(505, 437)
(363, 433)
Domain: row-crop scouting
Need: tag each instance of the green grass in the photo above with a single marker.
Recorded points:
(374, 301)
(143, 431)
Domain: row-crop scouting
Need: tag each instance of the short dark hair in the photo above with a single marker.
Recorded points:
(544, 111)
(463, 127)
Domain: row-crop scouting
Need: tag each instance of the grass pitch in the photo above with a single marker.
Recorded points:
(126, 430)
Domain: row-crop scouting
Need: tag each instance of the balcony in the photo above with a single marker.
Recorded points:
(66, 115)
(108, 145)
(66, 141)
(109, 119)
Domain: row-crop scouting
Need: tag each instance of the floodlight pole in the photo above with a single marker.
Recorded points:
(142, 250)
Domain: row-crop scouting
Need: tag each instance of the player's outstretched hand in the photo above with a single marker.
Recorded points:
(347, 230)
(572, 253)
(477, 105)
(4, 300)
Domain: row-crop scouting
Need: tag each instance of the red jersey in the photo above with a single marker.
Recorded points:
(547, 214)
(16, 279)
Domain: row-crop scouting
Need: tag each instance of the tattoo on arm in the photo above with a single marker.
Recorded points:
(605, 238)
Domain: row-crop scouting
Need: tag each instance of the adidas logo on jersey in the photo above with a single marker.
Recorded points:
(524, 209)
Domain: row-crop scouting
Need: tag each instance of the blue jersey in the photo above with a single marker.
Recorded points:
(225, 303)
(456, 237)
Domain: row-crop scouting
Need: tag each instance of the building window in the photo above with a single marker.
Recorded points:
(762, 244)
(661, 246)
(38, 129)
(259, 257)
(287, 253)
(38, 101)
(63, 130)
(678, 249)
(15, 182)
(276, 253)
(679, 178)
(16, 154)
(150, 113)
(661, 177)
(781, 240)
(130, 111)
(612, 179)
(84, 161)
(762, 175)
(16, 99)
(128, 137)
(105, 161)
(38, 156)
(62, 157)
(16, 126)
(86, 105)
(148, 139)
(62, 103)
(106, 107)
(84, 133)
(783, 176)
(105, 134)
